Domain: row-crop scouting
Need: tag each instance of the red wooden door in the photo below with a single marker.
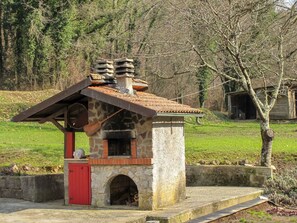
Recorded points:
(79, 183)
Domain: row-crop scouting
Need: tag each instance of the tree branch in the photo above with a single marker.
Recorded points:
(205, 64)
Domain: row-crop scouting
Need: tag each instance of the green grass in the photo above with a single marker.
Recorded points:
(35, 144)
(13, 102)
(43, 145)
(237, 140)
(216, 139)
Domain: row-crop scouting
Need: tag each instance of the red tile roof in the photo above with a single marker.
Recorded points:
(142, 103)
(147, 100)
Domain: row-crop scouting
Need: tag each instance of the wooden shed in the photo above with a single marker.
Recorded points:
(240, 105)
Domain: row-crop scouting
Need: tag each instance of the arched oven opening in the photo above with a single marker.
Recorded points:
(123, 191)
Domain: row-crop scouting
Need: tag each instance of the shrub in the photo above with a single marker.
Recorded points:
(282, 189)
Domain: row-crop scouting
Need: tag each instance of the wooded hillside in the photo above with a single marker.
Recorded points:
(52, 44)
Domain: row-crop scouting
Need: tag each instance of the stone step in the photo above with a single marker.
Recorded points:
(192, 208)
(228, 211)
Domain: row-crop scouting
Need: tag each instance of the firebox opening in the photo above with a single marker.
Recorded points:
(123, 191)
(119, 147)
(119, 142)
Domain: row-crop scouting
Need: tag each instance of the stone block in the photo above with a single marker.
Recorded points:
(99, 200)
(265, 171)
(204, 175)
(33, 188)
(146, 201)
(13, 182)
(49, 187)
(2, 182)
(257, 180)
(12, 193)
(43, 187)
(28, 186)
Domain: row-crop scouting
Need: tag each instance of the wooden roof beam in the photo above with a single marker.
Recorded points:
(26, 115)
(58, 125)
(54, 115)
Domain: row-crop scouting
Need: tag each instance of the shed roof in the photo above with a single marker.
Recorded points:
(268, 83)
(142, 103)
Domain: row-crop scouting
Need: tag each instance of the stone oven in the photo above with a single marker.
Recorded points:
(136, 139)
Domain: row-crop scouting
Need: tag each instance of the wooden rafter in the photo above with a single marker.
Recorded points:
(52, 116)
(58, 125)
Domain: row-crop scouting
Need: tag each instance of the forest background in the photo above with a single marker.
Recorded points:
(52, 44)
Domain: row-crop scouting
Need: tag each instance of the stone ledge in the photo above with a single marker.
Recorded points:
(37, 188)
(208, 175)
(11, 193)
(202, 201)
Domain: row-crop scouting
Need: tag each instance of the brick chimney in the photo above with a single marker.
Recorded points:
(124, 72)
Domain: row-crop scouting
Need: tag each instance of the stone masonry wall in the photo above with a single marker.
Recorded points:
(125, 120)
(169, 160)
(248, 176)
(103, 175)
(38, 188)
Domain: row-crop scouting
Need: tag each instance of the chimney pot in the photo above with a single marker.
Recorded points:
(104, 68)
(124, 70)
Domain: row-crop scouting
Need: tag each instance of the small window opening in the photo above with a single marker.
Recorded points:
(119, 147)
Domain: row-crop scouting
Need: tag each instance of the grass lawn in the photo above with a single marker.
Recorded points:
(217, 139)
(13, 102)
(237, 140)
(35, 144)
(42, 145)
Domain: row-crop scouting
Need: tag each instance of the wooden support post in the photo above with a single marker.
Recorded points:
(69, 144)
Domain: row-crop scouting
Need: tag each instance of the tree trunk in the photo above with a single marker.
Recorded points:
(202, 76)
(267, 135)
(1, 46)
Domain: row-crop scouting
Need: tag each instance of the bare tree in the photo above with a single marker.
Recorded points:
(255, 38)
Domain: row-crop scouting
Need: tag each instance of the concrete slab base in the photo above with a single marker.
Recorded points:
(228, 211)
(204, 200)
(200, 201)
